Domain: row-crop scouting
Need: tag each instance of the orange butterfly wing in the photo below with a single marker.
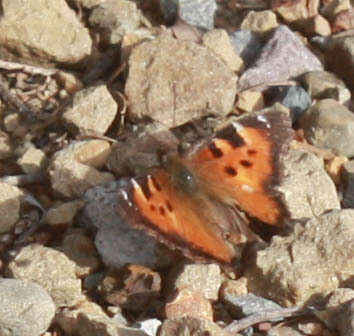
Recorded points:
(173, 217)
(241, 164)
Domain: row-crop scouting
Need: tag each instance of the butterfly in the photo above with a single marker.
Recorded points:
(197, 203)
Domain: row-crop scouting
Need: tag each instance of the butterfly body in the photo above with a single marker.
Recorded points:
(196, 203)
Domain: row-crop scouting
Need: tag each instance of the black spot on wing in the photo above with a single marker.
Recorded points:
(230, 171)
(230, 134)
(246, 163)
(162, 211)
(215, 151)
(155, 183)
(169, 206)
(251, 151)
(144, 185)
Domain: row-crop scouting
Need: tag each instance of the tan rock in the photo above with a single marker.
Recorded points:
(234, 287)
(10, 201)
(218, 40)
(92, 111)
(203, 278)
(11, 122)
(315, 25)
(64, 212)
(33, 161)
(26, 37)
(73, 169)
(250, 101)
(291, 13)
(334, 7)
(344, 20)
(311, 262)
(175, 81)
(5, 146)
(260, 22)
(51, 269)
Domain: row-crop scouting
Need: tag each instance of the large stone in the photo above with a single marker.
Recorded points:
(27, 36)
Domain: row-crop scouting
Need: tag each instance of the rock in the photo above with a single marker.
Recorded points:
(309, 263)
(329, 125)
(260, 21)
(295, 98)
(116, 241)
(92, 111)
(10, 201)
(134, 290)
(189, 303)
(340, 296)
(86, 317)
(26, 309)
(149, 327)
(284, 56)
(285, 331)
(86, 3)
(51, 269)
(348, 184)
(311, 327)
(231, 288)
(33, 161)
(175, 81)
(80, 249)
(198, 13)
(250, 101)
(11, 122)
(294, 11)
(245, 305)
(191, 326)
(63, 212)
(218, 41)
(345, 319)
(203, 278)
(40, 43)
(73, 170)
(247, 44)
(306, 188)
(112, 19)
(344, 20)
(323, 84)
(5, 146)
(339, 56)
(331, 9)
(315, 25)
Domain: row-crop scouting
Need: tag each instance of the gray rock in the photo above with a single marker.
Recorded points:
(198, 13)
(51, 269)
(10, 202)
(329, 125)
(174, 81)
(309, 263)
(284, 56)
(113, 18)
(295, 98)
(307, 189)
(25, 36)
(249, 304)
(323, 84)
(26, 309)
(116, 241)
(348, 182)
(339, 56)
(247, 44)
(345, 319)
(92, 111)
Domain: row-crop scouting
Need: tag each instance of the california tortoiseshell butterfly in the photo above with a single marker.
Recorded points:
(196, 203)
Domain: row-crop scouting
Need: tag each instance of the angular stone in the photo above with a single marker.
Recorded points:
(284, 56)
(260, 21)
(33, 161)
(306, 188)
(175, 81)
(92, 111)
(324, 84)
(309, 263)
(63, 213)
(329, 125)
(218, 41)
(26, 37)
